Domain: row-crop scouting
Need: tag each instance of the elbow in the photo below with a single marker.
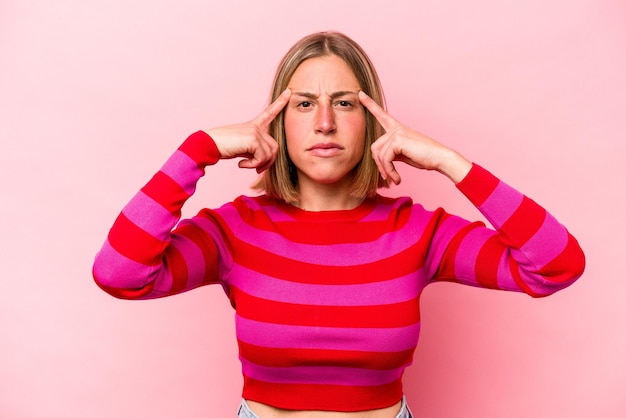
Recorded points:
(114, 279)
(124, 292)
(563, 271)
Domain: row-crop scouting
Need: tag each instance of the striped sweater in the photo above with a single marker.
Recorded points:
(327, 303)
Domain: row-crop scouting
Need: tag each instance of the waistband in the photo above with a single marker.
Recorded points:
(246, 412)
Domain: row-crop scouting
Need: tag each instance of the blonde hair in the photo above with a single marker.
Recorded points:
(280, 180)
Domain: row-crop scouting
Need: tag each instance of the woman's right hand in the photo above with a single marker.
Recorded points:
(251, 140)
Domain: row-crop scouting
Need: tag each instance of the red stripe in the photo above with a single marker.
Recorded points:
(206, 246)
(487, 261)
(333, 397)
(524, 223)
(177, 268)
(316, 233)
(134, 243)
(568, 265)
(165, 191)
(127, 293)
(520, 282)
(257, 259)
(377, 316)
(201, 148)
(447, 270)
(478, 185)
(290, 357)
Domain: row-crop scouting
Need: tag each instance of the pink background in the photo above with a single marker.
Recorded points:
(95, 95)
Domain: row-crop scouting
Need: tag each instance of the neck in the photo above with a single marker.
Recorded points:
(316, 197)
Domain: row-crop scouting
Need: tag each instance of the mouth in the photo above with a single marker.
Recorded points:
(325, 150)
(325, 146)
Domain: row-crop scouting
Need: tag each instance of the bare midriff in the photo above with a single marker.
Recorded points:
(267, 411)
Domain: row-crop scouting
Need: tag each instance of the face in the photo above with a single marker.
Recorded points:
(324, 121)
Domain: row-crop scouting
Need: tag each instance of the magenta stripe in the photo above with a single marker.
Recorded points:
(465, 260)
(183, 170)
(501, 204)
(439, 243)
(322, 375)
(223, 255)
(119, 271)
(547, 243)
(505, 277)
(332, 255)
(194, 260)
(150, 216)
(368, 294)
(123, 273)
(381, 211)
(383, 340)
(274, 212)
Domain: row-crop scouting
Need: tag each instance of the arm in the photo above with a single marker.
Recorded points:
(143, 257)
(529, 250)
(139, 260)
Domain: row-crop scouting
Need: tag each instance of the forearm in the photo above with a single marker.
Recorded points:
(132, 259)
(529, 250)
(453, 165)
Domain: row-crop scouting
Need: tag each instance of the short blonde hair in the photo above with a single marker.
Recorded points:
(280, 181)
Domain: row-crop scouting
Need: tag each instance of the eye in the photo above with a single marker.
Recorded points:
(344, 103)
(304, 104)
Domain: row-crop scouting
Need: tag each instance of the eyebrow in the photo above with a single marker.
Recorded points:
(333, 95)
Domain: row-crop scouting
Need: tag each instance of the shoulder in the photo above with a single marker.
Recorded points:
(248, 207)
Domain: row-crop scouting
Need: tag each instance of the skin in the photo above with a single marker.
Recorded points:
(325, 127)
(325, 132)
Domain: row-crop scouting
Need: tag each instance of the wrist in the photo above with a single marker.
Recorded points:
(454, 166)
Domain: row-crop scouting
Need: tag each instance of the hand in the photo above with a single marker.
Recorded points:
(251, 140)
(401, 143)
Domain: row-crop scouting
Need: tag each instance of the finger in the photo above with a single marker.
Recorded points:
(262, 155)
(270, 112)
(377, 150)
(385, 119)
(271, 152)
(384, 155)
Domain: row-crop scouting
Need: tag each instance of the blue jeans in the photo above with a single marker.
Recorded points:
(245, 412)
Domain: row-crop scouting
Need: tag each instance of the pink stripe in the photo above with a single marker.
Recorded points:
(183, 170)
(547, 243)
(333, 255)
(343, 376)
(223, 254)
(501, 204)
(194, 260)
(115, 270)
(370, 294)
(505, 278)
(381, 212)
(273, 212)
(465, 260)
(150, 216)
(383, 340)
(439, 243)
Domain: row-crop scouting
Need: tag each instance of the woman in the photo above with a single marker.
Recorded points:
(325, 274)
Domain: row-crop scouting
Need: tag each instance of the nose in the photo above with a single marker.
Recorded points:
(325, 120)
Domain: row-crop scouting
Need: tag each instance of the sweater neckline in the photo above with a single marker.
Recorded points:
(343, 215)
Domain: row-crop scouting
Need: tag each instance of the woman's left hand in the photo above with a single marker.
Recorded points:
(401, 143)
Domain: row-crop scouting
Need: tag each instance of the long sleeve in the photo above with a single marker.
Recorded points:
(529, 251)
(141, 258)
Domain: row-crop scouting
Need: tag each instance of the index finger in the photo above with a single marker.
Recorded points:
(385, 119)
(270, 112)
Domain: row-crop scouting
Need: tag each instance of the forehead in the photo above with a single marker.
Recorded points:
(324, 72)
